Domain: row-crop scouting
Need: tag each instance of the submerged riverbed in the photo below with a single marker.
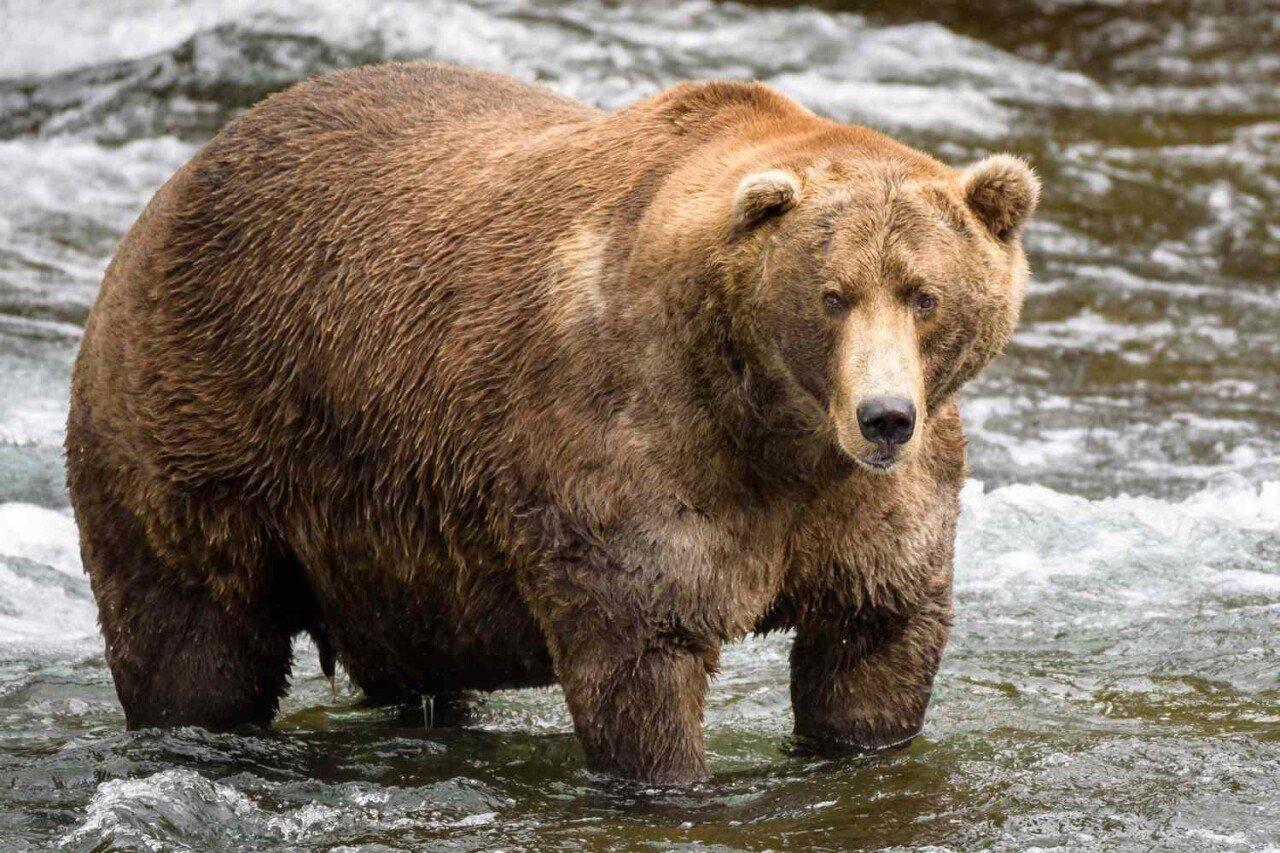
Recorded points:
(1113, 681)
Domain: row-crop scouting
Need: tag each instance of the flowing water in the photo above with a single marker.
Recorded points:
(1113, 682)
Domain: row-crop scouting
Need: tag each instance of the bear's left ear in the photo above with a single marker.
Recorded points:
(764, 195)
(1003, 190)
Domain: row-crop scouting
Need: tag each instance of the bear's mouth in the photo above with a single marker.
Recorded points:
(882, 460)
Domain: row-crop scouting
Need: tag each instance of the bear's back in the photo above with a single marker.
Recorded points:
(313, 231)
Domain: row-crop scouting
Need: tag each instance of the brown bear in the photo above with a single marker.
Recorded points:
(484, 388)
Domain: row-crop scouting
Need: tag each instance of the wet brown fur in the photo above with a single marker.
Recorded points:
(484, 388)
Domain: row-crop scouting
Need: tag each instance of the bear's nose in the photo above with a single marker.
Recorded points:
(887, 419)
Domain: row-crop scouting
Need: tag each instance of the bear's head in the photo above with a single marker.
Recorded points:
(863, 288)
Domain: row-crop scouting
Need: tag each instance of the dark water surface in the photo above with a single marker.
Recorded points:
(1114, 678)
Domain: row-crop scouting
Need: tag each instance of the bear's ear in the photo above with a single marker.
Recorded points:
(1003, 191)
(764, 195)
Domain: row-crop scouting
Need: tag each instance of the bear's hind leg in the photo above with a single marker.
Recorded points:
(181, 651)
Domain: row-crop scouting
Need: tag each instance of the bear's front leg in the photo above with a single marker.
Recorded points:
(861, 678)
(639, 715)
(634, 684)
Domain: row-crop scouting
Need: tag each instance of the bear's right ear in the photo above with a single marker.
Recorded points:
(762, 196)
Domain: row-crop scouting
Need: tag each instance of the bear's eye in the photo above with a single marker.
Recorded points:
(833, 302)
(923, 303)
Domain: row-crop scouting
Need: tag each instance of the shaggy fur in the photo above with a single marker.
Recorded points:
(483, 388)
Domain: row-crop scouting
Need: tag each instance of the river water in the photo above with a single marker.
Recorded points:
(1113, 682)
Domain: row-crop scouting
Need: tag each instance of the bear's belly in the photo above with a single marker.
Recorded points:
(433, 630)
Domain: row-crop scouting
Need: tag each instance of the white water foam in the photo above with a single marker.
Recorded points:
(63, 205)
(1117, 560)
(156, 812)
(65, 202)
(47, 36)
(45, 601)
(181, 809)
